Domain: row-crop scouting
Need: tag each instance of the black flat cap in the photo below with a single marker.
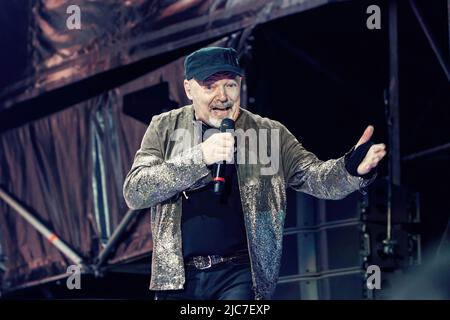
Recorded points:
(205, 62)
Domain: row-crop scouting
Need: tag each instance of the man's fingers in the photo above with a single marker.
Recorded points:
(226, 135)
(377, 157)
(227, 144)
(226, 155)
(229, 137)
(378, 147)
(380, 153)
(225, 150)
(225, 139)
(377, 151)
(373, 157)
(365, 136)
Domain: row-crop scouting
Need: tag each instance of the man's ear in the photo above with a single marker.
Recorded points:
(187, 89)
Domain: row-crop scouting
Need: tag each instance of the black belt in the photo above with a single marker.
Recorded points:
(206, 262)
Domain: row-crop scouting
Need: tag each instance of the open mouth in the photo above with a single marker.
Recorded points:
(220, 112)
(221, 109)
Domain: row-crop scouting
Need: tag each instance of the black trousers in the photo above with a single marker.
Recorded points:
(230, 280)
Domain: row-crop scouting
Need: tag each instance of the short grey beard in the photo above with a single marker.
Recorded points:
(214, 122)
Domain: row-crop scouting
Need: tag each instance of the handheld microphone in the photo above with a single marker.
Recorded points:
(219, 168)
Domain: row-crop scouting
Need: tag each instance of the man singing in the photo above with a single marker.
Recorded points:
(227, 246)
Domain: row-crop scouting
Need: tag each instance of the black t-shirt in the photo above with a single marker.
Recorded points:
(212, 224)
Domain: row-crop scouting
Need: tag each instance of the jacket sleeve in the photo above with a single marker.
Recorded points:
(152, 180)
(304, 172)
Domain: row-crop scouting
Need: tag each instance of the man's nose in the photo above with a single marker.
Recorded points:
(222, 95)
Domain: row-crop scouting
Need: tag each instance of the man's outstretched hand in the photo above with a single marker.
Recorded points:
(373, 156)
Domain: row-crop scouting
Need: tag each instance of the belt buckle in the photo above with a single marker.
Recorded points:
(201, 264)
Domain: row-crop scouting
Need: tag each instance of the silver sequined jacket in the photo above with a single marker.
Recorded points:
(160, 173)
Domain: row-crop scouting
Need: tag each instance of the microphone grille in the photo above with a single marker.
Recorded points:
(226, 124)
